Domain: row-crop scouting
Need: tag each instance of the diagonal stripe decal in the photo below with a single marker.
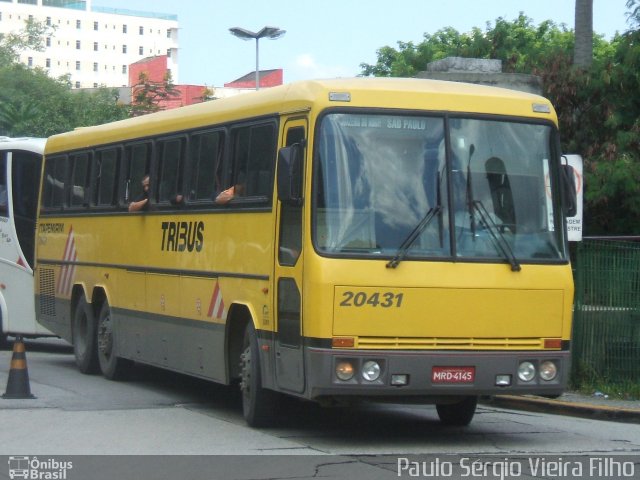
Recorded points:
(216, 306)
(68, 270)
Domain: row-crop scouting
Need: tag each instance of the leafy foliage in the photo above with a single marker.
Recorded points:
(149, 95)
(33, 104)
(598, 108)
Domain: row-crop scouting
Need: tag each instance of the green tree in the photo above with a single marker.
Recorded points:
(29, 38)
(16, 118)
(33, 104)
(149, 95)
(598, 108)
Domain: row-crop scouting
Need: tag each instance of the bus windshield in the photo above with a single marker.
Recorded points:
(412, 187)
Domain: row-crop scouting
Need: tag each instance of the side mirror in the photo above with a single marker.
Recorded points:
(569, 195)
(290, 174)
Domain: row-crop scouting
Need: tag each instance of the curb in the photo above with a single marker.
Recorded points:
(559, 407)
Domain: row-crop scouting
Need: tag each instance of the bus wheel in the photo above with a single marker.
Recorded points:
(258, 404)
(84, 338)
(457, 414)
(112, 367)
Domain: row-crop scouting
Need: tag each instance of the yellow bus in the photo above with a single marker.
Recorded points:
(384, 239)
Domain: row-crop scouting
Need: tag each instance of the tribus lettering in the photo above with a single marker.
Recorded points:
(181, 236)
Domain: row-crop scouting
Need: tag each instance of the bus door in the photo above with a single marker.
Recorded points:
(289, 352)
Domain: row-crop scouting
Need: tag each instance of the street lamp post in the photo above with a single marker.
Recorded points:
(271, 33)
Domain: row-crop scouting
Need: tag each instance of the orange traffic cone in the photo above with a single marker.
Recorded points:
(18, 383)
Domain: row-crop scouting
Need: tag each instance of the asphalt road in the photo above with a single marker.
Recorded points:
(126, 430)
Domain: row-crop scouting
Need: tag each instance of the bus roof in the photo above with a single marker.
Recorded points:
(316, 95)
(31, 144)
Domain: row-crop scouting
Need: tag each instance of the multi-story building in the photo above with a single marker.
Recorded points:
(94, 45)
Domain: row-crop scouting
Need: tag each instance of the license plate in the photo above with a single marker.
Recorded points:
(453, 374)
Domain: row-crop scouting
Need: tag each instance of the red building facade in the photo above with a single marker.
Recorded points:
(155, 69)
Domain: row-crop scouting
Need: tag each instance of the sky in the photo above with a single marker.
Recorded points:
(331, 38)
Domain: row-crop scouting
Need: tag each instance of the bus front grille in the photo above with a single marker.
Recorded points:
(403, 343)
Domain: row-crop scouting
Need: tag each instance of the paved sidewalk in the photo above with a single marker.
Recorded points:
(595, 406)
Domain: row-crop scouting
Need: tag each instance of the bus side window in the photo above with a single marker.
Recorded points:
(254, 159)
(54, 181)
(171, 153)
(138, 165)
(79, 179)
(106, 162)
(204, 165)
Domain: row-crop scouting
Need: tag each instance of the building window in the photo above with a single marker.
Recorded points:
(141, 30)
(95, 46)
(77, 44)
(48, 41)
(124, 29)
(95, 26)
(95, 85)
(48, 21)
(140, 50)
(124, 69)
(78, 24)
(30, 61)
(169, 53)
(95, 66)
(77, 84)
(47, 62)
(124, 49)
(78, 65)
(168, 33)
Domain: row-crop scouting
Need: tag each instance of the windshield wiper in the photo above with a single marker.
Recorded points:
(496, 235)
(411, 238)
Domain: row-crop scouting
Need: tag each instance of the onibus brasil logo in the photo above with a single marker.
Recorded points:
(36, 469)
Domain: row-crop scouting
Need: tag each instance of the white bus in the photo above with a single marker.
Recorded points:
(20, 170)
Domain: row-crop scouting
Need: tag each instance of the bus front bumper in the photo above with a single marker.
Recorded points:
(412, 373)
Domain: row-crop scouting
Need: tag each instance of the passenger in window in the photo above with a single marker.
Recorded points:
(142, 202)
(224, 197)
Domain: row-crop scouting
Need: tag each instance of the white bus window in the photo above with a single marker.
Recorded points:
(25, 179)
(4, 198)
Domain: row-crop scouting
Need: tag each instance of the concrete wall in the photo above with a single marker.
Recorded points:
(481, 72)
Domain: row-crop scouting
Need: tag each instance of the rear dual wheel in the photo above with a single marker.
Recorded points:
(112, 366)
(84, 338)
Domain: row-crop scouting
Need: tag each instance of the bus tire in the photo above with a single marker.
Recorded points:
(112, 367)
(258, 403)
(85, 338)
(457, 414)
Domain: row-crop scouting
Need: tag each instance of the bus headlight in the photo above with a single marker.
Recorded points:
(548, 370)
(371, 371)
(345, 370)
(526, 371)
